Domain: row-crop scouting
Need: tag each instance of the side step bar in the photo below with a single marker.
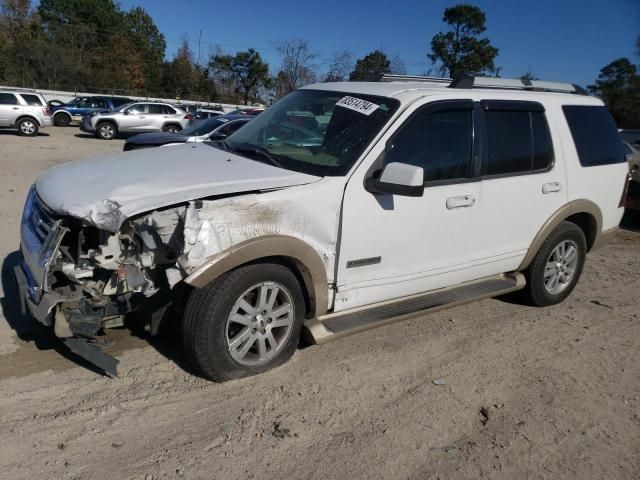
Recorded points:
(336, 325)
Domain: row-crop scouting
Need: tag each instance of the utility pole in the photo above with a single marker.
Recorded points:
(199, 40)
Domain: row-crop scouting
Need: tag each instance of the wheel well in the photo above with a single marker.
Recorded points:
(587, 224)
(62, 112)
(168, 124)
(22, 117)
(112, 122)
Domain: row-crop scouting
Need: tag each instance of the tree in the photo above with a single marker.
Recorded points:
(297, 67)
(149, 42)
(339, 66)
(248, 69)
(459, 51)
(528, 76)
(371, 67)
(618, 84)
(396, 65)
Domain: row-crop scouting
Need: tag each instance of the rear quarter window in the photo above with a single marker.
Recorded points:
(31, 99)
(595, 135)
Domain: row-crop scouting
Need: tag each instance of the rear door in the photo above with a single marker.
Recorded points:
(522, 183)
(9, 109)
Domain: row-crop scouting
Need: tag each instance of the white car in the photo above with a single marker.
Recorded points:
(400, 198)
(25, 110)
(136, 117)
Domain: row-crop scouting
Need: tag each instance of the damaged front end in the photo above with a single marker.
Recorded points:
(82, 279)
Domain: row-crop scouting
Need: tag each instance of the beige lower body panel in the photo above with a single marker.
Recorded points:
(337, 325)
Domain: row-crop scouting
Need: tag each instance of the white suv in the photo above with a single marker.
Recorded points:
(136, 117)
(24, 110)
(342, 207)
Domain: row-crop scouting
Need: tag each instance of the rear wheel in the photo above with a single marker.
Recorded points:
(106, 131)
(244, 323)
(27, 127)
(61, 120)
(556, 268)
(173, 128)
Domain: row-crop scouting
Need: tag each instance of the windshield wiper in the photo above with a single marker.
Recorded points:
(256, 150)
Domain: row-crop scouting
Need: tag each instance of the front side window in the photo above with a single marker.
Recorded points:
(518, 141)
(83, 102)
(8, 99)
(440, 142)
(594, 134)
(314, 131)
(97, 102)
(31, 99)
(136, 108)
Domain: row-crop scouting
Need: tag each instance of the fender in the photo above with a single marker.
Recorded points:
(564, 212)
(306, 258)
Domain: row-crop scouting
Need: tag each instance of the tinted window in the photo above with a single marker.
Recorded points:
(31, 99)
(8, 99)
(595, 135)
(517, 141)
(167, 110)
(439, 142)
(119, 101)
(136, 108)
(155, 109)
(231, 127)
(97, 102)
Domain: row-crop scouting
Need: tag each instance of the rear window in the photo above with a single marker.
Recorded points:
(595, 135)
(8, 99)
(518, 138)
(31, 99)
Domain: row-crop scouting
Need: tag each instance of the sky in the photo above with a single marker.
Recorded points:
(559, 40)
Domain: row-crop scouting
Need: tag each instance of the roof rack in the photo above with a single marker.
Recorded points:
(17, 89)
(516, 84)
(387, 77)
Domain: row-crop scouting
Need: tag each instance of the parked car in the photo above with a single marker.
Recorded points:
(247, 111)
(136, 117)
(217, 128)
(206, 113)
(632, 202)
(79, 107)
(23, 110)
(192, 109)
(631, 136)
(419, 197)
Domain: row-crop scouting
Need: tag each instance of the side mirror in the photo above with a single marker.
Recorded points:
(398, 179)
(126, 112)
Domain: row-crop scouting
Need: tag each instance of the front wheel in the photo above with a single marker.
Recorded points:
(106, 131)
(244, 323)
(27, 127)
(556, 268)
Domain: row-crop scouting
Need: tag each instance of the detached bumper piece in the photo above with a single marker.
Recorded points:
(93, 353)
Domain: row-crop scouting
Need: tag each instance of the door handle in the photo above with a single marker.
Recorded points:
(141, 116)
(460, 202)
(15, 108)
(551, 187)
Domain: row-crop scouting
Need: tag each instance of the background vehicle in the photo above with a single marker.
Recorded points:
(631, 136)
(633, 193)
(24, 110)
(136, 117)
(205, 113)
(217, 128)
(247, 111)
(64, 114)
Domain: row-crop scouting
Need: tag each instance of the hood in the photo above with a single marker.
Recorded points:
(159, 138)
(106, 190)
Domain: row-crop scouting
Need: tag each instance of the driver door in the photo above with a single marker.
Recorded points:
(393, 246)
(135, 118)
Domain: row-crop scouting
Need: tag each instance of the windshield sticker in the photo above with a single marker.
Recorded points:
(358, 105)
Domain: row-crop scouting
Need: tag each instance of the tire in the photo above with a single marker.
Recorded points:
(172, 127)
(61, 120)
(214, 341)
(554, 272)
(106, 131)
(27, 127)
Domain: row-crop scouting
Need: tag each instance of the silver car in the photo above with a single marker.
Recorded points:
(136, 117)
(24, 110)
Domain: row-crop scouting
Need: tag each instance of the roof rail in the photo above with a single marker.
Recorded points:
(18, 89)
(516, 84)
(387, 77)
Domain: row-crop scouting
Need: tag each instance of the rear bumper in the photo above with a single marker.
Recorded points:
(47, 122)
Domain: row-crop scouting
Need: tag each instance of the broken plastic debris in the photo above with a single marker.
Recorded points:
(439, 381)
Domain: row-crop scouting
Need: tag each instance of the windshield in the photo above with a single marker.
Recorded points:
(315, 132)
(203, 127)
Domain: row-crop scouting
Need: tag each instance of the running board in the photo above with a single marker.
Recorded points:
(335, 325)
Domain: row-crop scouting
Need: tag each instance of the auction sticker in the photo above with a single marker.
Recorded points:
(358, 105)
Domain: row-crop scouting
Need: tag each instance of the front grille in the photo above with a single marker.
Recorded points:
(42, 219)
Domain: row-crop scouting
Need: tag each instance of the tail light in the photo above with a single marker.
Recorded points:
(46, 111)
(188, 116)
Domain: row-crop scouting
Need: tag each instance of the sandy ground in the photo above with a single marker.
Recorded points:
(529, 393)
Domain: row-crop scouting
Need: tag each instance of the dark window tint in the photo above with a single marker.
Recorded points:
(155, 109)
(119, 101)
(230, 127)
(167, 110)
(97, 102)
(518, 141)
(439, 142)
(595, 135)
(31, 99)
(8, 99)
